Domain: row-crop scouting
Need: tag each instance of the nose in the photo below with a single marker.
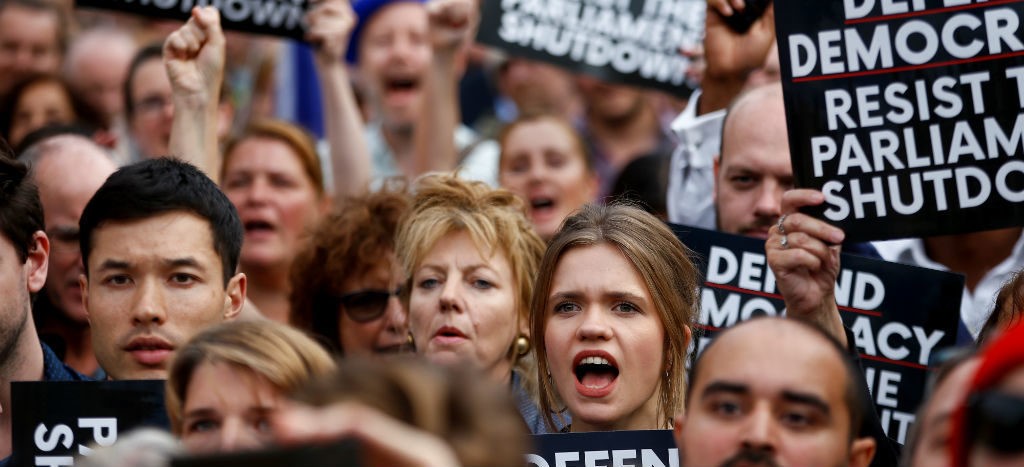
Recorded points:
(149, 304)
(594, 326)
(759, 432)
(769, 199)
(451, 296)
(258, 191)
(396, 321)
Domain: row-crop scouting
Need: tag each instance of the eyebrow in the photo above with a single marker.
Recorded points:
(616, 296)
(806, 399)
(114, 264)
(725, 387)
(187, 262)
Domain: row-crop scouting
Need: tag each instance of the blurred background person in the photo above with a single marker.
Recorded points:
(44, 100)
(226, 384)
(272, 174)
(408, 413)
(345, 282)
(988, 425)
(33, 37)
(544, 161)
(68, 169)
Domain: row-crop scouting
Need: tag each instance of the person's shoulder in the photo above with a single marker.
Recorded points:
(56, 370)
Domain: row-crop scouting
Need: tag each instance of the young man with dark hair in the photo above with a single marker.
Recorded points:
(160, 244)
(798, 404)
(24, 249)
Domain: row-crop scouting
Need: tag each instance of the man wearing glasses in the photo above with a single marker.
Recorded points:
(68, 169)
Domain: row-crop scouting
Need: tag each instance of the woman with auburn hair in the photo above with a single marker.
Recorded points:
(471, 255)
(345, 282)
(227, 382)
(612, 343)
(272, 174)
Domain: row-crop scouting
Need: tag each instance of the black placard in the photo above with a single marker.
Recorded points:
(906, 114)
(636, 42)
(642, 448)
(55, 421)
(899, 315)
(283, 18)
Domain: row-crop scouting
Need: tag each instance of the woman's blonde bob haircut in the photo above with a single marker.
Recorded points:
(663, 262)
(286, 357)
(495, 220)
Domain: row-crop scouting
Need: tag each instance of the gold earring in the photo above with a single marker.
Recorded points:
(408, 338)
(522, 345)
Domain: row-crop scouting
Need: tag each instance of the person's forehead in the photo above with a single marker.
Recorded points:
(771, 357)
(150, 76)
(168, 235)
(400, 16)
(755, 132)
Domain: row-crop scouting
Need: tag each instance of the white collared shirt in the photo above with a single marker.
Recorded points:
(977, 305)
(691, 180)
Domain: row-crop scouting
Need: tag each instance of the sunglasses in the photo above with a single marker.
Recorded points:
(996, 421)
(363, 306)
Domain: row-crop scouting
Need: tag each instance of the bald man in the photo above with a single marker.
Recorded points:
(68, 170)
(772, 391)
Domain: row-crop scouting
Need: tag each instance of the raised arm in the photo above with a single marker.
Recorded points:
(194, 58)
(730, 56)
(450, 24)
(330, 27)
(803, 252)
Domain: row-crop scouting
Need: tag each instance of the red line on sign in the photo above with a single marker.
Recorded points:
(934, 11)
(779, 297)
(894, 362)
(909, 67)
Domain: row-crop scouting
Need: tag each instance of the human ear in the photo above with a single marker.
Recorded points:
(862, 450)
(234, 298)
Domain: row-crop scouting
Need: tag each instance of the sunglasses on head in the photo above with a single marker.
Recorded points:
(996, 421)
(363, 306)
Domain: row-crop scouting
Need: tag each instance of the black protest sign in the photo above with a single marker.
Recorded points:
(899, 315)
(907, 114)
(636, 42)
(642, 448)
(273, 17)
(55, 421)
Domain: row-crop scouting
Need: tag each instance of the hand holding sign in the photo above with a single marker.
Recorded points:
(194, 56)
(450, 23)
(330, 28)
(803, 252)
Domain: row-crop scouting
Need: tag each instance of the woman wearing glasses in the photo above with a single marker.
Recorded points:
(471, 256)
(345, 283)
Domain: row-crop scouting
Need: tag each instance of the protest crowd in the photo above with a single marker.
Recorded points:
(371, 233)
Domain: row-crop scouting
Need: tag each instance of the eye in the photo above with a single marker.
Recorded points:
(262, 425)
(743, 181)
(727, 407)
(566, 307)
(483, 284)
(182, 278)
(797, 419)
(235, 182)
(626, 307)
(202, 425)
(117, 280)
(428, 283)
